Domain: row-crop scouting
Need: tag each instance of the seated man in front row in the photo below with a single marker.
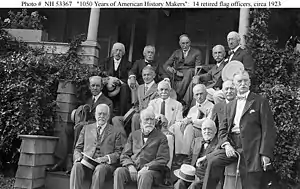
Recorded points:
(200, 151)
(100, 141)
(145, 155)
(145, 93)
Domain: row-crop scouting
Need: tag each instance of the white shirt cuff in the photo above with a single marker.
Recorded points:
(224, 144)
(109, 161)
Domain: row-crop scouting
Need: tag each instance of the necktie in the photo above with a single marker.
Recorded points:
(241, 97)
(98, 131)
(162, 108)
(146, 89)
(93, 100)
(231, 52)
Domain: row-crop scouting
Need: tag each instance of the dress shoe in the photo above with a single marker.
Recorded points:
(55, 167)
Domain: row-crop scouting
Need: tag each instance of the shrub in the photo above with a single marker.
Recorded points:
(277, 78)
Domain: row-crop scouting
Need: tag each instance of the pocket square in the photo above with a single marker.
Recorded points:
(252, 111)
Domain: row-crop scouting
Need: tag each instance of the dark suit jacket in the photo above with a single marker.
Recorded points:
(122, 73)
(144, 99)
(245, 57)
(258, 133)
(138, 67)
(153, 153)
(197, 148)
(218, 113)
(110, 143)
(101, 100)
(214, 75)
(193, 59)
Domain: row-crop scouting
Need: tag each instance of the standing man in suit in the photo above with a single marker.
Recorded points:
(136, 71)
(61, 151)
(248, 128)
(117, 66)
(101, 142)
(229, 91)
(145, 93)
(144, 155)
(168, 111)
(213, 78)
(180, 67)
(238, 53)
(200, 151)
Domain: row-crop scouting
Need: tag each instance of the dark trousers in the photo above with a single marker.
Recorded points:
(79, 173)
(145, 180)
(219, 160)
(123, 100)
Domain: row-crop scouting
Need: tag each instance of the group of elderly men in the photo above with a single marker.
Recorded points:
(225, 119)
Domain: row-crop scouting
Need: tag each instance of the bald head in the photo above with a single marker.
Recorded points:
(95, 85)
(118, 50)
(233, 40)
(200, 93)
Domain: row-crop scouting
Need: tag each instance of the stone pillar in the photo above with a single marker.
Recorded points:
(244, 24)
(91, 47)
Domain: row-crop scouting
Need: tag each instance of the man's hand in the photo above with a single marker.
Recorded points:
(199, 160)
(162, 118)
(133, 172)
(265, 161)
(103, 159)
(78, 159)
(171, 69)
(196, 79)
(230, 152)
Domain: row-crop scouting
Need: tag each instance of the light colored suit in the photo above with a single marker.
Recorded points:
(173, 113)
(185, 136)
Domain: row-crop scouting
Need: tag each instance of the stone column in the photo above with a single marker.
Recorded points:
(91, 47)
(244, 23)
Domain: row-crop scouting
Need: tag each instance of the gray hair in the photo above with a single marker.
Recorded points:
(148, 47)
(209, 123)
(117, 45)
(235, 35)
(241, 72)
(97, 78)
(149, 67)
(184, 35)
(164, 82)
(201, 86)
(146, 111)
(218, 46)
(103, 105)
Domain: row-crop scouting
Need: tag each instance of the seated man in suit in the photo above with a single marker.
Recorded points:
(213, 78)
(167, 110)
(218, 110)
(145, 93)
(200, 151)
(102, 142)
(70, 133)
(117, 66)
(180, 67)
(136, 71)
(190, 127)
(145, 155)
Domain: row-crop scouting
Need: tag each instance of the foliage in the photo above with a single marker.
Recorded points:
(21, 20)
(277, 78)
(28, 86)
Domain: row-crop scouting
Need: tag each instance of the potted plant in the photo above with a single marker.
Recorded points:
(24, 26)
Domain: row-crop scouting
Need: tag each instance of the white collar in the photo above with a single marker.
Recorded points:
(199, 105)
(117, 61)
(245, 94)
(187, 51)
(236, 48)
(96, 97)
(165, 100)
(227, 101)
(102, 127)
(149, 85)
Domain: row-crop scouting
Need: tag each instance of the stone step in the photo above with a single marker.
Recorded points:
(59, 180)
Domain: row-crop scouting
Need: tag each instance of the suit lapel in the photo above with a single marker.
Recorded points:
(150, 91)
(93, 131)
(106, 132)
(150, 138)
(248, 104)
(232, 114)
(97, 102)
(236, 54)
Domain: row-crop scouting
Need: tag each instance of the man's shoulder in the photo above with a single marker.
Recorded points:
(140, 61)
(90, 126)
(105, 99)
(195, 50)
(173, 101)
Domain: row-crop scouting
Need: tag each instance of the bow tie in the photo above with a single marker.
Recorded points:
(206, 141)
(230, 52)
(241, 97)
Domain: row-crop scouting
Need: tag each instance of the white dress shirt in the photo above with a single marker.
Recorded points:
(96, 97)
(185, 53)
(117, 63)
(234, 50)
(149, 85)
(240, 105)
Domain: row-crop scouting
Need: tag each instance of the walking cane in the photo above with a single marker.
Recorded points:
(237, 169)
